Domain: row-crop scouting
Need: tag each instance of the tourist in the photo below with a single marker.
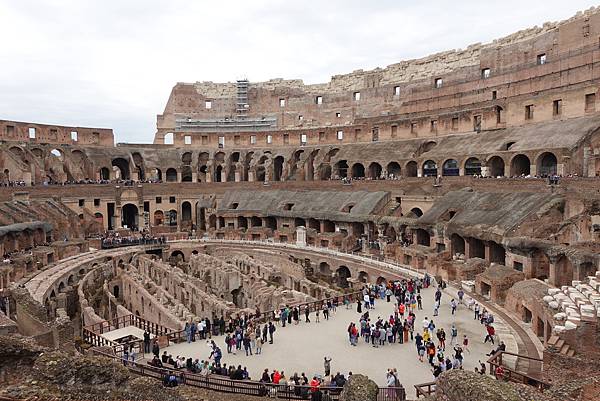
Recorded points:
(453, 334)
(327, 365)
(490, 333)
(441, 335)
(358, 306)
(306, 314)
(146, 342)
(453, 306)
(476, 310)
(461, 295)
(317, 315)
(271, 331)
(259, 344)
(155, 348)
(265, 378)
(466, 343)
(326, 312)
(247, 346)
(500, 348)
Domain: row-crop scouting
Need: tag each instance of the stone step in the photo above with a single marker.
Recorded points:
(571, 352)
(564, 349)
(553, 340)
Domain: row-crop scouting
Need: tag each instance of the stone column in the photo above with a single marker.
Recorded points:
(301, 236)
(488, 253)
(178, 175)
(553, 276)
(533, 169)
(117, 216)
(419, 172)
(194, 176)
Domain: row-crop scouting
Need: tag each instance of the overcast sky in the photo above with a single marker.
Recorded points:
(112, 63)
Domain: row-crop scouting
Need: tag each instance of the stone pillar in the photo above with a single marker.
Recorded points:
(321, 226)
(553, 276)
(301, 236)
(560, 169)
(488, 253)
(533, 169)
(218, 222)
(178, 176)
(419, 172)
(118, 223)
(237, 176)
(251, 177)
(194, 176)
(484, 171)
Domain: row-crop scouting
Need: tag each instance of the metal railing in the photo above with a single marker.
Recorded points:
(224, 384)
(533, 377)
(425, 389)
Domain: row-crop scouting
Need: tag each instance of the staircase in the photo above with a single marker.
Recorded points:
(560, 345)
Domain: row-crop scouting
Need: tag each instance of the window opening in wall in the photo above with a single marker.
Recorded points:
(286, 138)
(81, 202)
(288, 206)
(319, 100)
(146, 206)
(518, 266)
(281, 102)
(96, 202)
(508, 145)
(485, 73)
(454, 123)
(494, 95)
(53, 133)
(10, 130)
(375, 134)
(303, 139)
(413, 128)
(477, 123)
(529, 112)
(590, 102)
(356, 134)
(208, 104)
(340, 135)
(433, 126)
(74, 135)
(394, 131)
(31, 133)
(236, 139)
(499, 111)
(321, 136)
(252, 139)
(269, 139)
(356, 96)
(557, 107)
(204, 139)
(187, 139)
(234, 205)
(396, 91)
(300, 117)
(221, 142)
(158, 199)
(541, 59)
(438, 82)
(171, 199)
(168, 138)
(338, 114)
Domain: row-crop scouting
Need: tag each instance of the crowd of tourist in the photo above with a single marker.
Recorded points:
(112, 239)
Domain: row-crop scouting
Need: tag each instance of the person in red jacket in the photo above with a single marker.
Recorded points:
(314, 384)
(276, 377)
(490, 333)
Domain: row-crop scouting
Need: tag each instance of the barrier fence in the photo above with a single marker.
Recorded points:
(224, 384)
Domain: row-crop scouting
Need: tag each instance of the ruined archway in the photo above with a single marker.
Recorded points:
(342, 276)
(450, 168)
(130, 216)
(472, 166)
(547, 164)
(393, 170)
(495, 166)
(520, 165)
(123, 167)
(358, 170)
(411, 169)
(430, 169)
(375, 170)
(171, 175)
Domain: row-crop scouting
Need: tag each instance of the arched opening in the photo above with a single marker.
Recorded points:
(457, 244)
(363, 276)
(472, 166)
(430, 169)
(564, 271)
(324, 269)
(476, 248)
(497, 253)
(278, 168)
(358, 170)
(242, 222)
(186, 174)
(520, 166)
(314, 224)
(219, 174)
(546, 164)
(168, 138)
(116, 291)
(177, 256)
(237, 297)
(416, 212)
(271, 222)
(375, 171)
(342, 276)
(358, 229)
(129, 216)
(255, 221)
(394, 170)
(540, 264)
(202, 168)
(411, 169)
(495, 166)
(341, 169)
(450, 168)
(299, 222)
(423, 237)
(56, 153)
(186, 158)
(171, 175)
(159, 218)
(123, 167)
(221, 221)
(328, 226)
(172, 217)
(186, 212)
(105, 174)
(381, 280)
(61, 286)
(99, 218)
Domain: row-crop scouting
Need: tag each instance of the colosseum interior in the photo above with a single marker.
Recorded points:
(478, 168)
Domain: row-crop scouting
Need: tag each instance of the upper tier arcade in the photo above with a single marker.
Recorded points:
(539, 74)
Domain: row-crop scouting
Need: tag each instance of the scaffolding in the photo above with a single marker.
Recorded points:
(242, 98)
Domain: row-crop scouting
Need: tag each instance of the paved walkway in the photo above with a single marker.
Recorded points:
(301, 348)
